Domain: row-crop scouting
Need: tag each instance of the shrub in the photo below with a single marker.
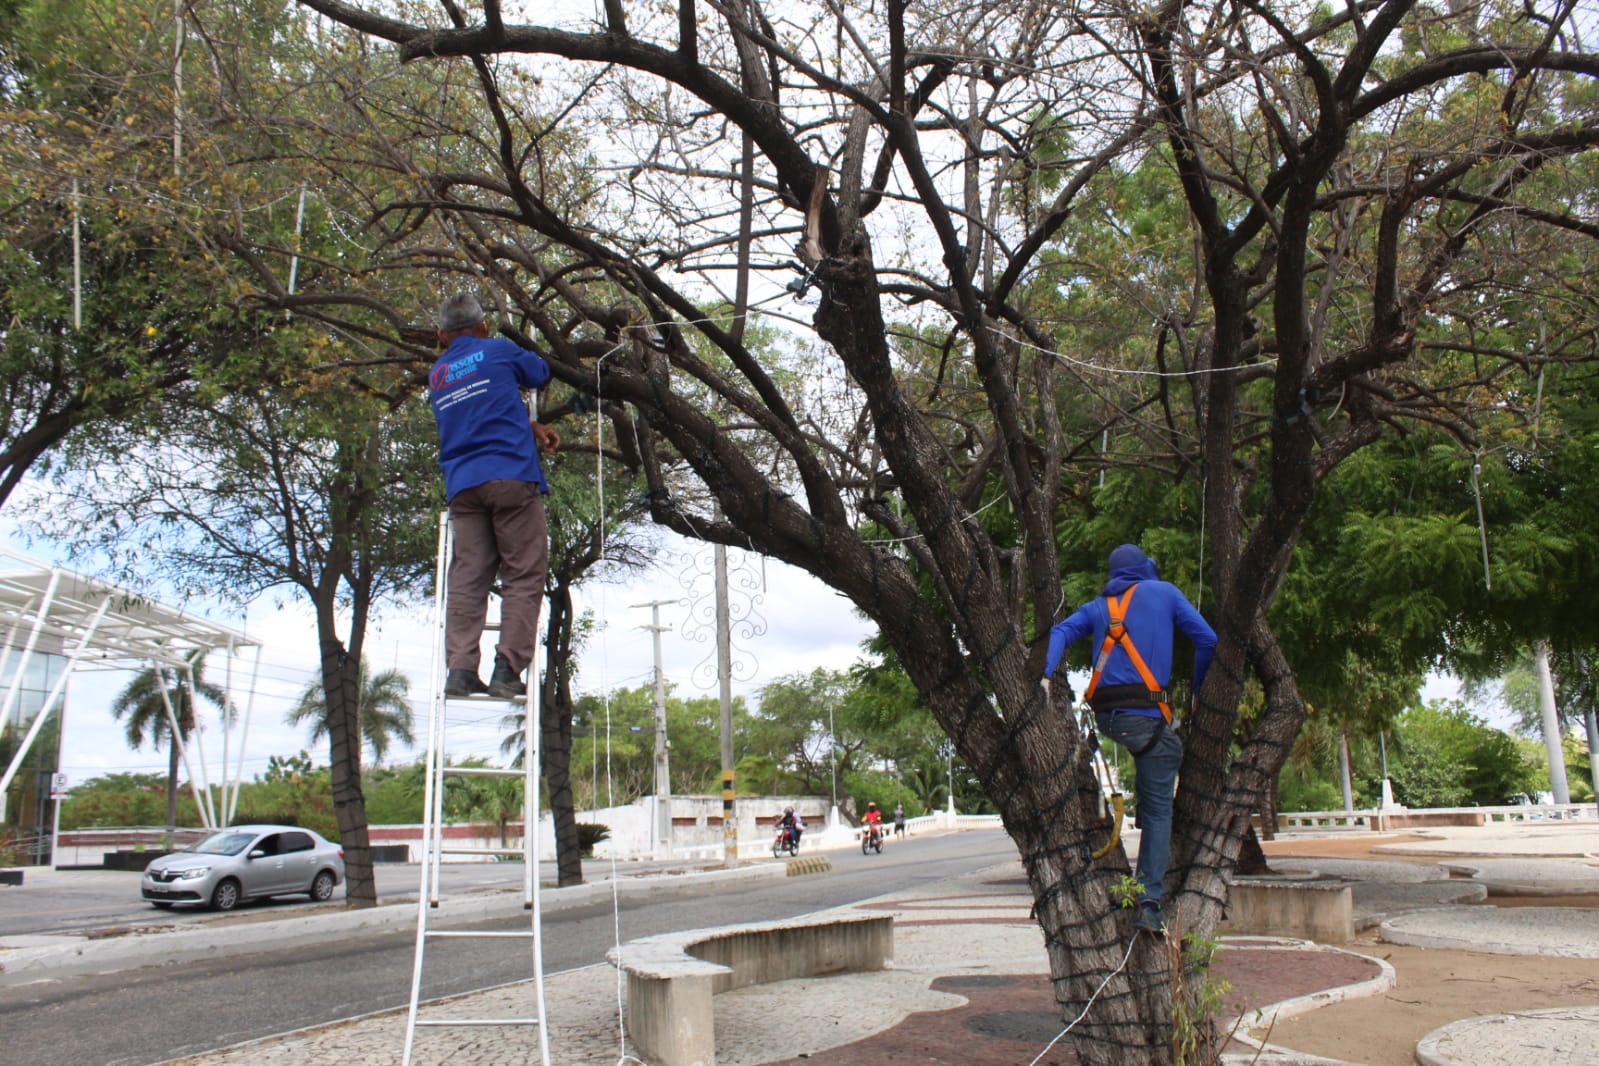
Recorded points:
(590, 834)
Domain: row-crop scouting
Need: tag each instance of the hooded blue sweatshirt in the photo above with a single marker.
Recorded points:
(1156, 609)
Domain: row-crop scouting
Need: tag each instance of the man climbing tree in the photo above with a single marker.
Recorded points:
(1132, 623)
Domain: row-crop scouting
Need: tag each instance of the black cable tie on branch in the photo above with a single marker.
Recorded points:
(802, 285)
(583, 402)
(1307, 396)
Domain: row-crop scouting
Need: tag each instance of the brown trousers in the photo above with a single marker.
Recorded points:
(499, 529)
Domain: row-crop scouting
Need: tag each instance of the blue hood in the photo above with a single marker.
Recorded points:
(1128, 566)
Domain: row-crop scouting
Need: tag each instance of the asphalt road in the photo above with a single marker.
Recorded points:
(79, 901)
(158, 1013)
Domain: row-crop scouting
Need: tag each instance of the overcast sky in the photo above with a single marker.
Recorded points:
(806, 625)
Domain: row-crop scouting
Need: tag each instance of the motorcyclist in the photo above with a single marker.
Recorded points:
(792, 825)
(873, 819)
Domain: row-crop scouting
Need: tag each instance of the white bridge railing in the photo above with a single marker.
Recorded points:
(1376, 818)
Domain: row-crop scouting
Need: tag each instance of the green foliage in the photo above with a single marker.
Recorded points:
(282, 768)
(394, 795)
(124, 800)
(619, 732)
(590, 834)
(1425, 777)
(874, 786)
(1442, 755)
(292, 791)
(1194, 1010)
(385, 712)
(1320, 793)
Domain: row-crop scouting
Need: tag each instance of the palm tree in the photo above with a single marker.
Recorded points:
(384, 711)
(146, 713)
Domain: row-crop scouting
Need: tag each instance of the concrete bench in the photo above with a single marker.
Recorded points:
(672, 978)
(1307, 909)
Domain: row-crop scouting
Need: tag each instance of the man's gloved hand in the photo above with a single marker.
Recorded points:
(1045, 683)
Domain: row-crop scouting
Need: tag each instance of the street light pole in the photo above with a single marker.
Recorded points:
(663, 776)
(832, 762)
(949, 765)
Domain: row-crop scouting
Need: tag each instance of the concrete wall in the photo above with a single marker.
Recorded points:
(1322, 911)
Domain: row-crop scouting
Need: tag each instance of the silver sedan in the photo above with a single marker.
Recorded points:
(245, 862)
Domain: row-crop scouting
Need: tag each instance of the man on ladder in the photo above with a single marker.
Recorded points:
(489, 449)
(1132, 623)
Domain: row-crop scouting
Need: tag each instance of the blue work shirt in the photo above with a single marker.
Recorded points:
(1156, 609)
(485, 432)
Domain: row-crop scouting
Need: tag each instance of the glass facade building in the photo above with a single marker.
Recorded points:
(30, 812)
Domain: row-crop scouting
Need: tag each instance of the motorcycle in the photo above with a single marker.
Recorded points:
(785, 842)
(871, 838)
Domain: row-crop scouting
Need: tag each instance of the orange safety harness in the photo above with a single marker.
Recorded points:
(1117, 634)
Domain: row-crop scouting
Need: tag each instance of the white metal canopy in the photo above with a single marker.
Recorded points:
(96, 625)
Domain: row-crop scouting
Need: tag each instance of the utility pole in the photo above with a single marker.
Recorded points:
(724, 679)
(663, 777)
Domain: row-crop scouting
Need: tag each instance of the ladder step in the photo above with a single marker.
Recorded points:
(482, 771)
(486, 934)
(483, 851)
(439, 1022)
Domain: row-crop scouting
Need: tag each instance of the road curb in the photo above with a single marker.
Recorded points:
(74, 955)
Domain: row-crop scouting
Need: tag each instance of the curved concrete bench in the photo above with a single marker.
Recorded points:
(672, 978)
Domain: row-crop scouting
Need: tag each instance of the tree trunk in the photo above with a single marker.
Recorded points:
(555, 742)
(172, 788)
(1057, 820)
(341, 689)
(1251, 856)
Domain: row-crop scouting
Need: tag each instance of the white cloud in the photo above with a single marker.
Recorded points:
(806, 625)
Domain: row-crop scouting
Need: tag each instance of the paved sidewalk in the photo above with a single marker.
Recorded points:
(970, 978)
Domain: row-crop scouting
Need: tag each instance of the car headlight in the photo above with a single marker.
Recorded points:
(193, 874)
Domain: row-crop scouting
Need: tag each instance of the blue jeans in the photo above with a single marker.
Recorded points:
(1156, 782)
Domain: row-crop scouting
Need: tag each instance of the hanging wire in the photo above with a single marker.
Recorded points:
(1073, 1023)
(1127, 371)
(299, 229)
(1482, 523)
(77, 258)
(623, 1058)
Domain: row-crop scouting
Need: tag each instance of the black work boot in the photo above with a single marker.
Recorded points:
(505, 683)
(1150, 919)
(464, 683)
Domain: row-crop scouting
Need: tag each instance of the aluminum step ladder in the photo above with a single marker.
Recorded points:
(436, 848)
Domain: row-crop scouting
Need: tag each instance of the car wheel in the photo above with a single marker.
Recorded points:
(161, 904)
(322, 886)
(225, 896)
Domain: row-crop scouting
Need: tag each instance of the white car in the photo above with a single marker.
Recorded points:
(245, 862)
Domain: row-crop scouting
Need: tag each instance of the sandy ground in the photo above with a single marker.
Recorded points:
(1435, 987)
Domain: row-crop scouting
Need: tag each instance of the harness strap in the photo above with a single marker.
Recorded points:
(1154, 738)
(1116, 634)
